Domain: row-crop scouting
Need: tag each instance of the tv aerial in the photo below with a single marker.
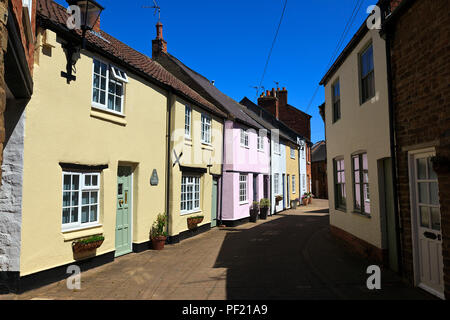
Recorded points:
(157, 9)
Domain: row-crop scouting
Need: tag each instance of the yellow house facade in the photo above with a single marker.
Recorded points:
(101, 155)
(292, 174)
(195, 167)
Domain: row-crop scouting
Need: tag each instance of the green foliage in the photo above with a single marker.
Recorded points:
(158, 226)
(265, 203)
(196, 217)
(255, 205)
(91, 239)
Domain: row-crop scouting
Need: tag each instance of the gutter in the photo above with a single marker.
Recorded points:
(398, 227)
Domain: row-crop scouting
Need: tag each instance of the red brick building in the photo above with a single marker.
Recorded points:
(319, 170)
(17, 34)
(276, 102)
(417, 34)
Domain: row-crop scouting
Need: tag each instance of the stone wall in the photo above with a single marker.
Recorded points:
(11, 189)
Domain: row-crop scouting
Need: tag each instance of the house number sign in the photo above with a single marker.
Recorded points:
(154, 180)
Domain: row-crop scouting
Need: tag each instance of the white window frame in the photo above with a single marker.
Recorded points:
(109, 76)
(276, 183)
(187, 121)
(119, 74)
(82, 188)
(261, 141)
(195, 194)
(294, 189)
(206, 124)
(243, 188)
(244, 138)
(292, 153)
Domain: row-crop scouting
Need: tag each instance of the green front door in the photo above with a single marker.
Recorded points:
(124, 213)
(214, 203)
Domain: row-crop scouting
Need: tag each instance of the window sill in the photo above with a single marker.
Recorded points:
(108, 116)
(188, 142)
(207, 147)
(359, 213)
(244, 146)
(243, 203)
(82, 232)
(190, 213)
(262, 151)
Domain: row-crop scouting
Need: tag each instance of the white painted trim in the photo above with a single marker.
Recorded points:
(413, 216)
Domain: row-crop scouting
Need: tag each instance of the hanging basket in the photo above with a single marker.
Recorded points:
(193, 222)
(79, 246)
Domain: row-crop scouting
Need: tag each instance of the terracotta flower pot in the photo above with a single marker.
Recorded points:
(309, 200)
(305, 201)
(158, 243)
(193, 222)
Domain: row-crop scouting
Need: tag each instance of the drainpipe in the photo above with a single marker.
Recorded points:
(398, 227)
(221, 179)
(168, 162)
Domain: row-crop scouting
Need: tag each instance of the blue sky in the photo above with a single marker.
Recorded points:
(229, 41)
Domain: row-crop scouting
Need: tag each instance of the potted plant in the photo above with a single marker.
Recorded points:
(310, 197)
(440, 164)
(194, 221)
(158, 236)
(87, 244)
(254, 211)
(264, 208)
(305, 199)
(294, 204)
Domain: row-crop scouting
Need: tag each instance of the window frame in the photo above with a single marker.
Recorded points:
(196, 181)
(260, 141)
(82, 188)
(336, 101)
(244, 138)
(362, 184)
(243, 191)
(276, 183)
(371, 73)
(98, 105)
(292, 153)
(338, 205)
(206, 133)
(294, 186)
(188, 122)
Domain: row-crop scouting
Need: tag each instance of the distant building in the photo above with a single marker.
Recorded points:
(319, 170)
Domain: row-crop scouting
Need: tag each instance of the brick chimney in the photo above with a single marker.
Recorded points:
(269, 102)
(159, 44)
(96, 26)
(282, 97)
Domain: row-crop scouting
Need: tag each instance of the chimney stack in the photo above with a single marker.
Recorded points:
(159, 45)
(269, 102)
(96, 27)
(282, 97)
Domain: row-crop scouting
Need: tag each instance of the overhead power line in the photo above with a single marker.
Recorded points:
(271, 49)
(347, 28)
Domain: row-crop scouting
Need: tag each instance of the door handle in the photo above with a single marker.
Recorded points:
(120, 202)
(430, 235)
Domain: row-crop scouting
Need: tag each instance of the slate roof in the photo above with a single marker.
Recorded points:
(235, 109)
(267, 120)
(54, 16)
(319, 152)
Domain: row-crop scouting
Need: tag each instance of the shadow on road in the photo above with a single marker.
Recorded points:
(294, 257)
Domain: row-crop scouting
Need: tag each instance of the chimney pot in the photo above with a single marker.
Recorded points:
(159, 45)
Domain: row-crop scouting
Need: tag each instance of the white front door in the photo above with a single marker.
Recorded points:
(427, 217)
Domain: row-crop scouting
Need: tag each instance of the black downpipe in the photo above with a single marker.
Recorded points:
(221, 179)
(168, 162)
(398, 227)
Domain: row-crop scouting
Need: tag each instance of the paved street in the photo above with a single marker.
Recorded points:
(289, 256)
